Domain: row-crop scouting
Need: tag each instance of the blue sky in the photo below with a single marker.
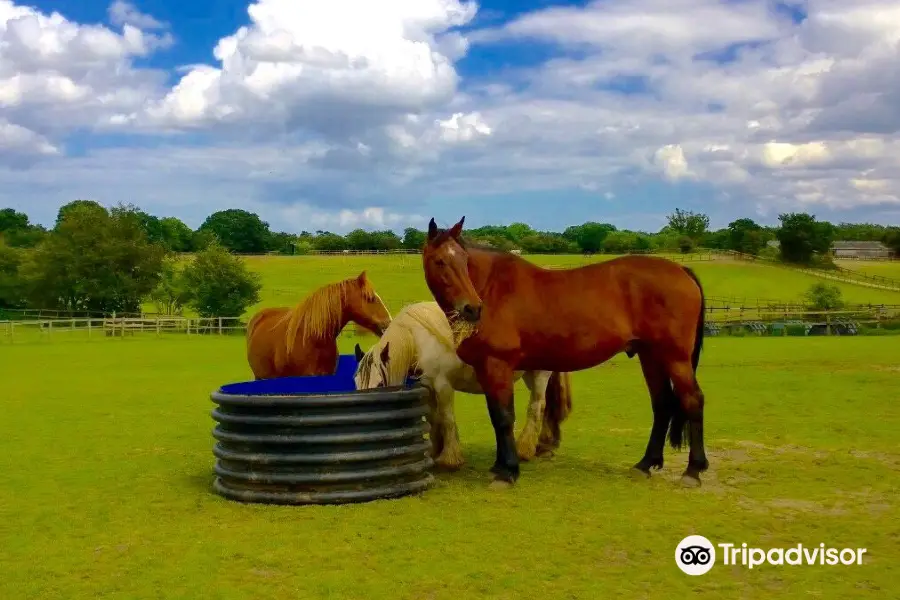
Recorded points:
(359, 114)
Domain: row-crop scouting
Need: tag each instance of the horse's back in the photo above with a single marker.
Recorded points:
(592, 311)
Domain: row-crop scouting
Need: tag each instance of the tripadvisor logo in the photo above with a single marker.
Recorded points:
(696, 555)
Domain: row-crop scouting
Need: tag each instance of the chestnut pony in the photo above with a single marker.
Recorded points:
(298, 341)
(514, 315)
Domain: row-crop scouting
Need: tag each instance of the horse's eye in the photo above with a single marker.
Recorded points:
(440, 262)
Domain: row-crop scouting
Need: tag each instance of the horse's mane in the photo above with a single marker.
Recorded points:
(403, 354)
(320, 313)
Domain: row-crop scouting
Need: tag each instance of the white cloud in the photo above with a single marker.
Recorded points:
(796, 115)
(57, 75)
(670, 159)
(334, 68)
(343, 113)
(125, 13)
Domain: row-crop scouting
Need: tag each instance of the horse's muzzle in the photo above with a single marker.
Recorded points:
(471, 313)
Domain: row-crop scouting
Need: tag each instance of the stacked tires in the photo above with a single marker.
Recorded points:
(320, 448)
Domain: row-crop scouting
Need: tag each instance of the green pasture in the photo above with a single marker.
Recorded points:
(399, 280)
(886, 268)
(107, 473)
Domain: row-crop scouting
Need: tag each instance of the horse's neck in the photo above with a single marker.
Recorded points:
(481, 264)
(341, 322)
(330, 334)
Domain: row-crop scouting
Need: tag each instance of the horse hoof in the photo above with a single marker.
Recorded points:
(500, 485)
(638, 473)
(689, 481)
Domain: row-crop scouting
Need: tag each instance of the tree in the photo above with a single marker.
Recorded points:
(238, 230)
(329, 242)
(281, 242)
(178, 236)
(220, 284)
(16, 230)
(619, 242)
(359, 239)
(547, 243)
(12, 290)
(90, 206)
(200, 240)
(859, 232)
(589, 236)
(688, 223)
(744, 235)
(11, 220)
(822, 296)
(413, 239)
(891, 239)
(99, 262)
(171, 294)
(519, 231)
(153, 227)
(801, 236)
(685, 244)
(304, 246)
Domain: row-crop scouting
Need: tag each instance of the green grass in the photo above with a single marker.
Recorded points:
(399, 280)
(889, 269)
(107, 463)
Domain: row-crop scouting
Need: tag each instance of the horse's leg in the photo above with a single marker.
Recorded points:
(664, 402)
(526, 444)
(436, 432)
(685, 382)
(496, 379)
(551, 435)
(451, 456)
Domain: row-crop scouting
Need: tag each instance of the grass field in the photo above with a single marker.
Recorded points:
(889, 269)
(399, 279)
(107, 467)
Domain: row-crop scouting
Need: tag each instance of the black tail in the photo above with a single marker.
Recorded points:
(701, 322)
(679, 433)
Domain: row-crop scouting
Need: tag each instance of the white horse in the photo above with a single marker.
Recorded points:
(419, 342)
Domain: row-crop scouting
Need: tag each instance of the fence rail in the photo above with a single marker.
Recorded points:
(728, 320)
(838, 273)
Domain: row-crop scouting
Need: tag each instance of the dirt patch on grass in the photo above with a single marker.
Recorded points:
(888, 460)
(806, 506)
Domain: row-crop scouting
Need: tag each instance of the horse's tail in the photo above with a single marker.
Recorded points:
(701, 321)
(678, 426)
(558, 399)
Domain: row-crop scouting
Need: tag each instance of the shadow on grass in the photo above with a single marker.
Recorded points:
(201, 482)
(479, 459)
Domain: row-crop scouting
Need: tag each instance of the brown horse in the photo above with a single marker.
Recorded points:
(514, 315)
(298, 341)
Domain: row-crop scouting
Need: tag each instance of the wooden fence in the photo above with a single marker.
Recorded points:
(720, 319)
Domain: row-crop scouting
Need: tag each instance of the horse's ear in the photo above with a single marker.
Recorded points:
(432, 229)
(361, 278)
(457, 229)
(385, 353)
(359, 353)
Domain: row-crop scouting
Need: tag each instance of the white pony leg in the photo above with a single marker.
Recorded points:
(526, 444)
(451, 456)
(436, 432)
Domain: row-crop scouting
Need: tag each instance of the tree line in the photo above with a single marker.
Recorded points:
(103, 260)
(244, 232)
(96, 262)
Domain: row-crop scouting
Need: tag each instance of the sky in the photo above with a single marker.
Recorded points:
(352, 113)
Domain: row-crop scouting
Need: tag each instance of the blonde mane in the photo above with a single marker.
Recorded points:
(403, 351)
(321, 313)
